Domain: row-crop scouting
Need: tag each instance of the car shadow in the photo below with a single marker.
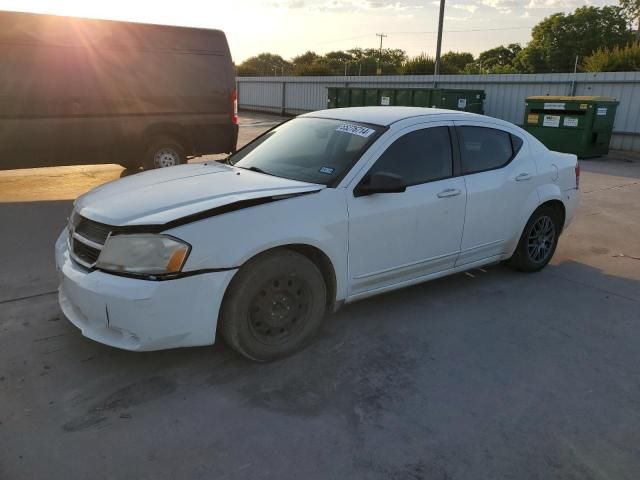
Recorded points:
(616, 163)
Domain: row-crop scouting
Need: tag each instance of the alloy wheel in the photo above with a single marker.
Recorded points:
(541, 238)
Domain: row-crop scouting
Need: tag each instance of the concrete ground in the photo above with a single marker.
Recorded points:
(491, 374)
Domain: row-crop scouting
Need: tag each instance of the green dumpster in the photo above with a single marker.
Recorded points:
(332, 99)
(578, 125)
(466, 100)
(452, 99)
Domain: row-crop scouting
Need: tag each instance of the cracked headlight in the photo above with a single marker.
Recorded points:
(143, 254)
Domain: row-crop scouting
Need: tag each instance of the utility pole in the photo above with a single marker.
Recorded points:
(381, 35)
(575, 74)
(436, 70)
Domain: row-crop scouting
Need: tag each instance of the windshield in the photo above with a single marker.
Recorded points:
(316, 150)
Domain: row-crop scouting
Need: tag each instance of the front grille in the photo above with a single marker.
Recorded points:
(94, 231)
(87, 239)
(87, 254)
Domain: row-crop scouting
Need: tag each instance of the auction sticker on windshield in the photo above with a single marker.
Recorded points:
(355, 130)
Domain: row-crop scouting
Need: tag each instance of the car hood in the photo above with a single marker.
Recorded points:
(164, 195)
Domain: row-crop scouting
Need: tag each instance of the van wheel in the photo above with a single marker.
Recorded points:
(538, 241)
(274, 306)
(164, 152)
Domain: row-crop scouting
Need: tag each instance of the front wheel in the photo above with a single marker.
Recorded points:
(538, 241)
(274, 306)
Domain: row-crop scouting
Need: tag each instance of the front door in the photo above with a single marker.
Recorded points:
(398, 237)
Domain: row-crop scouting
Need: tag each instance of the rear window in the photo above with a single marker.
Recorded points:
(483, 148)
(516, 143)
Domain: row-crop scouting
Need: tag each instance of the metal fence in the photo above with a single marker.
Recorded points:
(505, 94)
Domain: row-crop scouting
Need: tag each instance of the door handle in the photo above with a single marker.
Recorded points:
(523, 177)
(449, 192)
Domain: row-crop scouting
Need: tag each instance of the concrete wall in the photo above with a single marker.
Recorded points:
(505, 93)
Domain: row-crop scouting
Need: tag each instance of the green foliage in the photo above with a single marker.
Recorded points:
(455, 62)
(560, 37)
(499, 56)
(306, 58)
(617, 59)
(356, 61)
(419, 65)
(631, 8)
(264, 64)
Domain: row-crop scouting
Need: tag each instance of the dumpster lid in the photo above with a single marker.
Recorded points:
(564, 98)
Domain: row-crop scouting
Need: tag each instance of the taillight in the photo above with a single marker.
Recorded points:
(577, 174)
(234, 107)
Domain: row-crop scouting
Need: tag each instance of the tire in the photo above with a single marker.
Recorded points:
(163, 152)
(274, 306)
(538, 241)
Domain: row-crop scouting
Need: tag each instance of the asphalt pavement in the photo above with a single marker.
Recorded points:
(489, 374)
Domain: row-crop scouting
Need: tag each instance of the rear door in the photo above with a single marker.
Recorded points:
(398, 237)
(499, 177)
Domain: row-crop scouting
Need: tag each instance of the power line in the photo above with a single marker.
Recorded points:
(424, 32)
(464, 31)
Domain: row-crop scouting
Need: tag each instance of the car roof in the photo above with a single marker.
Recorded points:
(385, 116)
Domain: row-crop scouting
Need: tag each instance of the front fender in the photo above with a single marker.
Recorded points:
(231, 239)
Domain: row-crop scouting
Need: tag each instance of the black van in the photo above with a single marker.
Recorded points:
(80, 91)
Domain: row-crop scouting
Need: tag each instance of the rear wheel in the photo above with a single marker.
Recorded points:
(164, 152)
(538, 241)
(274, 306)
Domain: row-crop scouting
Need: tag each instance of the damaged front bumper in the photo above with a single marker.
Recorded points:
(136, 314)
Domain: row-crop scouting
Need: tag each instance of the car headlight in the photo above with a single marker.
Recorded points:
(143, 254)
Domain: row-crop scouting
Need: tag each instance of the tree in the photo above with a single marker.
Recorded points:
(264, 64)
(632, 9)
(455, 62)
(617, 59)
(419, 65)
(306, 58)
(310, 63)
(557, 39)
(498, 57)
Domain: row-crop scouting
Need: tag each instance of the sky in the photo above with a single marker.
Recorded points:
(291, 27)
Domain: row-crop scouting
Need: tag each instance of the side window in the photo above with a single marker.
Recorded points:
(516, 142)
(483, 148)
(418, 157)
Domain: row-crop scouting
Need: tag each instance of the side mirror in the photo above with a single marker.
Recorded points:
(380, 182)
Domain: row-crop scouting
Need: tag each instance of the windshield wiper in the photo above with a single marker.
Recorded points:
(257, 169)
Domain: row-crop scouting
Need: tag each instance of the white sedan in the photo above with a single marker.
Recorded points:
(328, 208)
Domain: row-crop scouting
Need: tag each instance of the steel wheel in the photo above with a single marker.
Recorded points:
(274, 305)
(166, 157)
(541, 239)
(279, 310)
